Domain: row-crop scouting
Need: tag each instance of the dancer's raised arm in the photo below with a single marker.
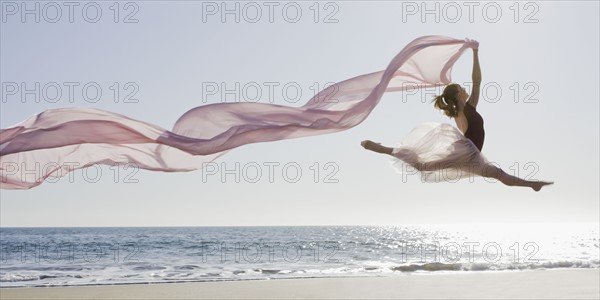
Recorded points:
(476, 78)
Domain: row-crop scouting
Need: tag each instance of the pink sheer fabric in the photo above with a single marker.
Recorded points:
(439, 152)
(58, 141)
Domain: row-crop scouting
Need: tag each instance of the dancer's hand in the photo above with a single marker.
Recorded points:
(472, 43)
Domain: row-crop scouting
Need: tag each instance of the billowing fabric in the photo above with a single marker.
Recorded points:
(439, 152)
(58, 141)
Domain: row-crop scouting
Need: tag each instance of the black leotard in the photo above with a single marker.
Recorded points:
(475, 131)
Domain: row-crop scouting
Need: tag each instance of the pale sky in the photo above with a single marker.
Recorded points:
(540, 66)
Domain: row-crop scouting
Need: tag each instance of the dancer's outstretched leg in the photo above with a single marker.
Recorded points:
(376, 147)
(490, 171)
(497, 173)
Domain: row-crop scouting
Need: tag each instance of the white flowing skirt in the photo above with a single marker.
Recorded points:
(439, 152)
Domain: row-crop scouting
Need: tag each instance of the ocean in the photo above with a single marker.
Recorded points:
(32, 257)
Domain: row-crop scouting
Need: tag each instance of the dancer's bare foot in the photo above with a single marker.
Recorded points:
(368, 144)
(376, 147)
(538, 185)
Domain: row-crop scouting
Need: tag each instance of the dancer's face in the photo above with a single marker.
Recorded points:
(462, 94)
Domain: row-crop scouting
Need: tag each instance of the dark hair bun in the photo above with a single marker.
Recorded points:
(447, 105)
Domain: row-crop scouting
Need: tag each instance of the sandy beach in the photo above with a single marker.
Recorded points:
(536, 284)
